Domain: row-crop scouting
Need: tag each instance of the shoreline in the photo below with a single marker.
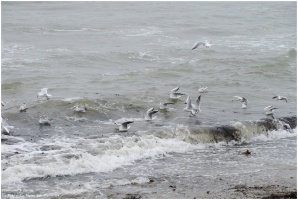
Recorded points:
(275, 184)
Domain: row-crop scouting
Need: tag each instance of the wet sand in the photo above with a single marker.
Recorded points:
(271, 184)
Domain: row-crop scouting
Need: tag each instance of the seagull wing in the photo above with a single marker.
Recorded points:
(196, 45)
(150, 110)
(175, 89)
(187, 99)
(268, 107)
(127, 122)
(272, 109)
(124, 124)
(198, 102)
(189, 105)
(239, 98)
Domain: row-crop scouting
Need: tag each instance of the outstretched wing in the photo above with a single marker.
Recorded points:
(196, 45)
(239, 98)
(198, 102)
(150, 110)
(127, 122)
(175, 89)
(268, 107)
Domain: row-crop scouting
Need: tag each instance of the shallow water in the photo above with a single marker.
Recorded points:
(119, 61)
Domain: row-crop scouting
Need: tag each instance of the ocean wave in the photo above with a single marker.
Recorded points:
(79, 156)
(141, 32)
(13, 85)
(72, 155)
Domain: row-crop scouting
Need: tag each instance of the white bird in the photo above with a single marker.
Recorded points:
(80, 109)
(189, 107)
(5, 127)
(269, 110)
(164, 105)
(2, 103)
(242, 99)
(203, 89)
(122, 126)
(44, 93)
(149, 114)
(174, 94)
(44, 121)
(197, 44)
(280, 98)
(23, 107)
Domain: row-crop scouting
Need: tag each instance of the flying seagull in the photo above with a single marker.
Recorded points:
(122, 127)
(280, 98)
(242, 99)
(197, 44)
(189, 107)
(149, 114)
(44, 93)
(174, 94)
(269, 110)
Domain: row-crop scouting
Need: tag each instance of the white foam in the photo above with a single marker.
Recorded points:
(274, 135)
(122, 182)
(72, 99)
(78, 155)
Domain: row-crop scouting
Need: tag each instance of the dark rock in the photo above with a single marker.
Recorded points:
(247, 152)
(133, 196)
(287, 195)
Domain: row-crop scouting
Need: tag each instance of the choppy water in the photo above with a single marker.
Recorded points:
(121, 58)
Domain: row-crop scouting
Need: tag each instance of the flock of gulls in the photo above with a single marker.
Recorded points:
(123, 125)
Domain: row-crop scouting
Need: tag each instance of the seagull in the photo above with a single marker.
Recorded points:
(242, 99)
(2, 103)
(174, 94)
(44, 122)
(164, 105)
(197, 44)
(149, 114)
(123, 126)
(5, 128)
(269, 110)
(203, 89)
(44, 93)
(80, 109)
(280, 98)
(23, 107)
(189, 107)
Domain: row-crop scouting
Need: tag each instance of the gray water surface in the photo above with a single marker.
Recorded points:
(121, 58)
